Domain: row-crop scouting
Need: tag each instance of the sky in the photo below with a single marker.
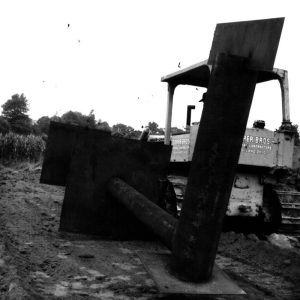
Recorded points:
(109, 56)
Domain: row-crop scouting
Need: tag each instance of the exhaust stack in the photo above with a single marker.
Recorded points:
(188, 116)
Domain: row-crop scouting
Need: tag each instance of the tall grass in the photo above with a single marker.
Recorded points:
(15, 147)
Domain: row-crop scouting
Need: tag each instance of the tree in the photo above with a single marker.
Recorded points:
(15, 113)
(295, 128)
(121, 130)
(103, 126)
(154, 129)
(42, 125)
(175, 130)
(55, 118)
(90, 119)
(135, 134)
(4, 126)
(125, 131)
(77, 118)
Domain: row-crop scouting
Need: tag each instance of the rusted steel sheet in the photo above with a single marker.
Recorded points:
(95, 159)
(57, 160)
(156, 219)
(212, 171)
(257, 40)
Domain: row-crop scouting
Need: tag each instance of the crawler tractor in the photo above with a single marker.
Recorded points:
(259, 191)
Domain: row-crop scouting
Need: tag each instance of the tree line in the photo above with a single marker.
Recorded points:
(15, 118)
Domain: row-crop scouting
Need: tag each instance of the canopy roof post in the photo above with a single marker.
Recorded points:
(171, 89)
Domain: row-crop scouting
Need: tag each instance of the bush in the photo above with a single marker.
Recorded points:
(21, 147)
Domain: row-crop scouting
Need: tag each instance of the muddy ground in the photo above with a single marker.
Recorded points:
(39, 262)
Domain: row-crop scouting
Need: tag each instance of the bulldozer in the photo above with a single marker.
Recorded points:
(267, 158)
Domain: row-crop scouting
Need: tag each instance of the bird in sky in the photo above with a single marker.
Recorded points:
(179, 66)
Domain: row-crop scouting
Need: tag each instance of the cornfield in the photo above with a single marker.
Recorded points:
(21, 147)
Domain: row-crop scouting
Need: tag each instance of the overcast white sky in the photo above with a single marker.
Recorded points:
(113, 54)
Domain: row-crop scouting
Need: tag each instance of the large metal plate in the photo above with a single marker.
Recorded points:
(157, 265)
(257, 40)
(95, 158)
(57, 160)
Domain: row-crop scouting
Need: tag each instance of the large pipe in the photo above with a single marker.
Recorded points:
(156, 219)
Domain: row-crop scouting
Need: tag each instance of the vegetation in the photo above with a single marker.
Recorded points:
(155, 130)
(296, 130)
(77, 118)
(103, 126)
(23, 139)
(125, 131)
(4, 126)
(15, 113)
(16, 147)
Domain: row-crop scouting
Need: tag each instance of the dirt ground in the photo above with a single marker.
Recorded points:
(39, 262)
